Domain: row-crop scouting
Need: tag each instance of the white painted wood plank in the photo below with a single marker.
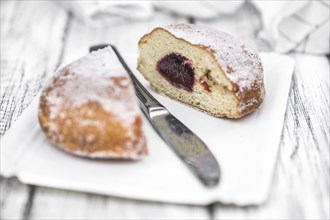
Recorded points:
(30, 49)
(14, 196)
(306, 147)
(7, 14)
(60, 204)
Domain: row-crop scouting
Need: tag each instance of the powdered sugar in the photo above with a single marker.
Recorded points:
(240, 63)
(243, 105)
(92, 79)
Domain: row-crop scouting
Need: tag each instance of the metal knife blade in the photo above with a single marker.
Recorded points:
(190, 148)
(186, 145)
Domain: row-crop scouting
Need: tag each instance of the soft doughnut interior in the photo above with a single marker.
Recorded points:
(187, 73)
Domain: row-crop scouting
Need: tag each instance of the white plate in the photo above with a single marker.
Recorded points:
(245, 148)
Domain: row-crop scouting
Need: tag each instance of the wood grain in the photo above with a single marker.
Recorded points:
(60, 204)
(30, 50)
(14, 197)
(37, 37)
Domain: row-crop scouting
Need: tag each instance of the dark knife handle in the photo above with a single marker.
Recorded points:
(98, 47)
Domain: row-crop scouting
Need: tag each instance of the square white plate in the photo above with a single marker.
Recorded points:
(245, 148)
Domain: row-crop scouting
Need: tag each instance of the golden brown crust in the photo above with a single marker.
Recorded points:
(246, 111)
(257, 93)
(89, 128)
(248, 99)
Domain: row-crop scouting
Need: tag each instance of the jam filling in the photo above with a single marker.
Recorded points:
(203, 82)
(178, 70)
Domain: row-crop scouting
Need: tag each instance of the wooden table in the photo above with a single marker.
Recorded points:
(37, 37)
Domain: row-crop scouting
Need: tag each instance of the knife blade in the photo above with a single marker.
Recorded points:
(187, 145)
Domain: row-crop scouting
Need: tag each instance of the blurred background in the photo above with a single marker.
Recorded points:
(37, 37)
(299, 26)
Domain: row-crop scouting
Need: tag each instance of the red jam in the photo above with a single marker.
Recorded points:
(178, 70)
(204, 84)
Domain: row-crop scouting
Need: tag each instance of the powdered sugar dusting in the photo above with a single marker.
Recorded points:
(93, 79)
(241, 64)
(244, 105)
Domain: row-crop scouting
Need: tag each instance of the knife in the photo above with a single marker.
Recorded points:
(190, 148)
